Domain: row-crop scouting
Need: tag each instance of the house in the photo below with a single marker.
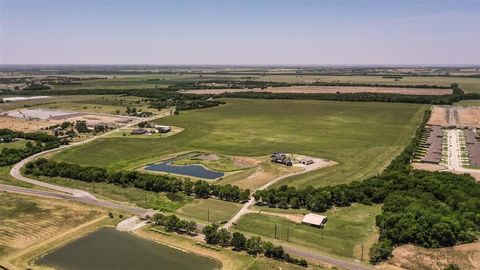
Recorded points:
(281, 158)
(315, 220)
(163, 129)
(138, 131)
(306, 161)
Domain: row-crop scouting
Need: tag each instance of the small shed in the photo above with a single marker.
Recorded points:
(306, 161)
(314, 220)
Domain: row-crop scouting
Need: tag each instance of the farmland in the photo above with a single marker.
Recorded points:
(361, 137)
(347, 229)
(25, 221)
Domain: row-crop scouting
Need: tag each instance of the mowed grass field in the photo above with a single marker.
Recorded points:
(361, 137)
(346, 230)
(209, 210)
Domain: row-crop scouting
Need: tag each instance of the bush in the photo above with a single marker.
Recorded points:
(380, 251)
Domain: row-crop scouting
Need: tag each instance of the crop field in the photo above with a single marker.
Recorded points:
(346, 230)
(25, 221)
(470, 85)
(209, 210)
(361, 137)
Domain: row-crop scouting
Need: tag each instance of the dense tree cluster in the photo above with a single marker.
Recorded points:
(146, 181)
(37, 86)
(253, 246)
(431, 209)
(174, 224)
(43, 141)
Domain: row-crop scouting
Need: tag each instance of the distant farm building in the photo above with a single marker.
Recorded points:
(163, 129)
(314, 220)
(138, 131)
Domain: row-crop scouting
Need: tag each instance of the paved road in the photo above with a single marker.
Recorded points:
(330, 260)
(454, 155)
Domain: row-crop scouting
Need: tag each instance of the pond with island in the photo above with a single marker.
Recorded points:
(193, 170)
(108, 248)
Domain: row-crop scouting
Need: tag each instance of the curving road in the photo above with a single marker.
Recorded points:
(88, 198)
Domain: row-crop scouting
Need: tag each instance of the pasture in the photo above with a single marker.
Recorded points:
(361, 137)
(346, 230)
(209, 210)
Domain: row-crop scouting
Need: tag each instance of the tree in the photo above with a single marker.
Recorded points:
(238, 241)
(224, 237)
(380, 251)
(268, 248)
(81, 127)
(254, 245)
(170, 223)
(210, 232)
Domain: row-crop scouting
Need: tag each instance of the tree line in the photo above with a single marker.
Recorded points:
(42, 142)
(174, 224)
(430, 209)
(145, 181)
(253, 245)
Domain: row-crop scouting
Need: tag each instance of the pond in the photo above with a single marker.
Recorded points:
(108, 248)
(188, 170)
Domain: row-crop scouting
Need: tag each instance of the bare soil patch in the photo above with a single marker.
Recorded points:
(455, 116)
(332, 89)
(427, 166)
(466, 256)
(23, 124)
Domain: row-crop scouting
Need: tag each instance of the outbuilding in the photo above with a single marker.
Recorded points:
(163, 129)
(306, 161)
(315, 220)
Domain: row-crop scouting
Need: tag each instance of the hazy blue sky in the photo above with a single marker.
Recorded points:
(240, 32)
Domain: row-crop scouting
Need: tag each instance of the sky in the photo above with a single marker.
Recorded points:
(341, 32)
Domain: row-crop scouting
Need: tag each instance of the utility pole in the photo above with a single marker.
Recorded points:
(288, 233)
(208, 214)
(322, 233)
(361, 258)
(93, 185)
(275, 231)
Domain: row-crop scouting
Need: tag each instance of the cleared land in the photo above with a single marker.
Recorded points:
(361, 137)
(25, 221)
(455, 116)
(332, 89)
(346, 230)
(466, 256)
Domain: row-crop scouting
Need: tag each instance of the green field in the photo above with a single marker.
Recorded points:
(361, 137)
(209, 210)
(82, 103)
(14, 145)
(144, 81)
(346, 230)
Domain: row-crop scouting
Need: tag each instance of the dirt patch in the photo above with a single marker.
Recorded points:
(332, 89)
(455, 116)
(427, 167)
(245, 162)
(466, 256)
(297, 218)
(24, 124)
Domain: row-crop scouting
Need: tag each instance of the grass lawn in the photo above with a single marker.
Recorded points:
(219, 211)
(15, 145)
(362, 137)
(347, 228)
